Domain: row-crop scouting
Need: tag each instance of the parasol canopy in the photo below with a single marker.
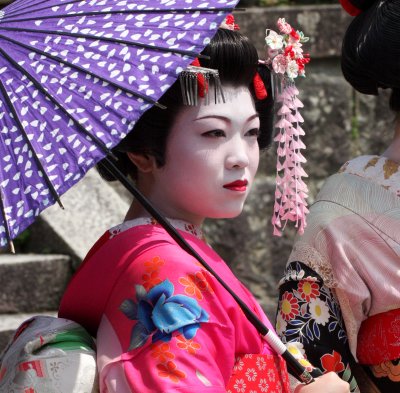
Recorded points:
(75, 76)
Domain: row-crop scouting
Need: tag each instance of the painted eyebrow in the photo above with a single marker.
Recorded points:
(256, 115)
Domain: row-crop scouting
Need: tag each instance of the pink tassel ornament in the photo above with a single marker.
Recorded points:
(291, 191)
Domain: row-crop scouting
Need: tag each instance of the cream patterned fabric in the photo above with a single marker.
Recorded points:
(49, 355)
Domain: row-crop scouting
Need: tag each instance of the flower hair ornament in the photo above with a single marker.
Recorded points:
(229, 23)
(286, 61)
(195, 80)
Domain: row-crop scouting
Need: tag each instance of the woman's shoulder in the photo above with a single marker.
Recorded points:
(372, 165)
(377, 169)
(120, 246)
(120, 250)
(133, 242)
(359, 163)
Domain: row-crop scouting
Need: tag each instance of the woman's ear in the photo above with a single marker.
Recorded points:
(145, 163)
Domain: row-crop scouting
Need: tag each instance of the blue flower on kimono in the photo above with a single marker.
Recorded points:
(159, 313)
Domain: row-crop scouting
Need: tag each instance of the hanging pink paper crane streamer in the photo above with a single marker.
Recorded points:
(291, 192)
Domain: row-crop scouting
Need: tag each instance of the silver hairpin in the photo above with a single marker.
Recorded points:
(190, 85)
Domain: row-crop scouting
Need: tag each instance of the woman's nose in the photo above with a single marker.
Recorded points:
(238, 156)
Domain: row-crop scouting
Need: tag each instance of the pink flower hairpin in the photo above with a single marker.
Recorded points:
(286, 60)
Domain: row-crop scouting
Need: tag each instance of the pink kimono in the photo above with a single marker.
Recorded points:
(163, 323)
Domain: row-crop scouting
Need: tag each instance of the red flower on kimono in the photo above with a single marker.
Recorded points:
(308, 290)
(289, 306)
(154, 264)
(162, 352)
(170, 370)
(195, 284)
(188, 345)
(332, 362)
(151, 279)
(36, 365)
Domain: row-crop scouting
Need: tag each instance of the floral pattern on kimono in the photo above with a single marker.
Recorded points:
(309, 321)
(164, 323)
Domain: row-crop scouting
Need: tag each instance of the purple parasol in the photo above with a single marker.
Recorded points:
(75, 76)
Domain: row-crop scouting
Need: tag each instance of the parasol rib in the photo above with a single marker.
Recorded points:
(108, 39)
(108, 12)
(84, 70)
(6, 227)
(128, 11)
(23, 133)
(16, 6)
(98, 142)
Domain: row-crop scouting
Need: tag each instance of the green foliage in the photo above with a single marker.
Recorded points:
(21, 242)
(268, 3)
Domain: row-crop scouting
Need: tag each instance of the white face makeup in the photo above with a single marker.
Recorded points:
(211, 159)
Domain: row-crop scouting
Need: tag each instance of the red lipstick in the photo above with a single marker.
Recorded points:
(238, 185)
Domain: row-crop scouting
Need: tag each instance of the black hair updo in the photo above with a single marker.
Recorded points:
(371, 50)
(236, 59)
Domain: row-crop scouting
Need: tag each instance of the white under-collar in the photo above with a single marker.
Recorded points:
(177, 224)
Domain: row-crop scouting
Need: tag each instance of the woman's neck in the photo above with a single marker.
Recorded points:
(136, 210)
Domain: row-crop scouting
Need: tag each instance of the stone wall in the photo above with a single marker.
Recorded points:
(339, 124)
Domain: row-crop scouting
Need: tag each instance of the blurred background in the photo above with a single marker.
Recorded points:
(339, 124)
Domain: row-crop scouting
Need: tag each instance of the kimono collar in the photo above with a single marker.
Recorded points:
(178, 224)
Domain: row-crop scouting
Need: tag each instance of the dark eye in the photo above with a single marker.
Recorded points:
(254, 132)
(214, 134)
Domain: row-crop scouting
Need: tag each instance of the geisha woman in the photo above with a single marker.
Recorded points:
(163, 323)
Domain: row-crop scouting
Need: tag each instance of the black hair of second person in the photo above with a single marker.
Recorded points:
(371, 50)
(236, 59)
